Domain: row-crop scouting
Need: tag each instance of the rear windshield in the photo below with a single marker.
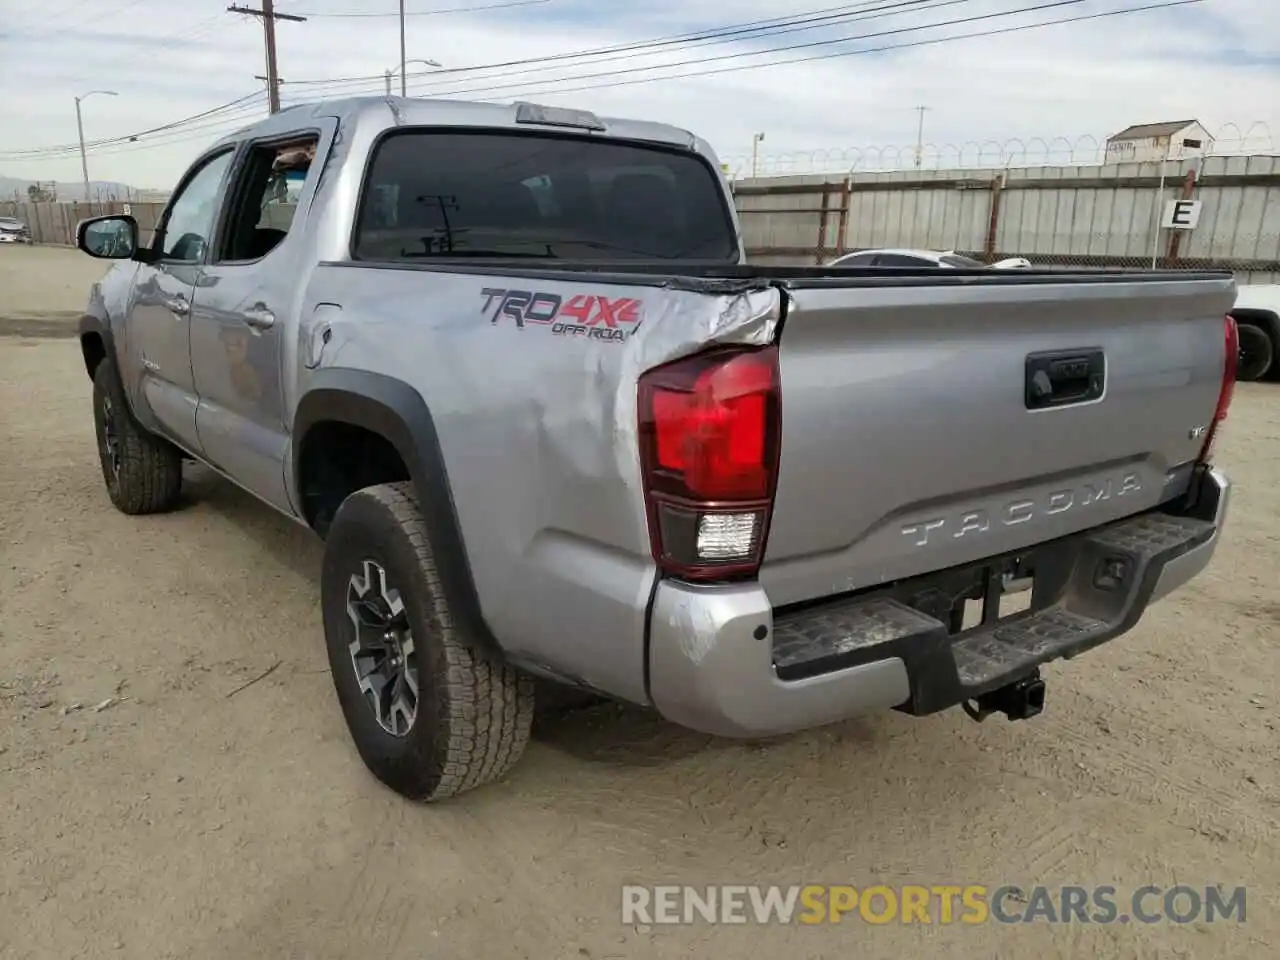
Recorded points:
(470, 194)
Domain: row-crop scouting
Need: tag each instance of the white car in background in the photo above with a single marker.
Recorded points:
(948, 260)
(13, 231)
(1257, 313)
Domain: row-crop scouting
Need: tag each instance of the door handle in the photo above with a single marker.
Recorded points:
(260, 318)
(178, 305)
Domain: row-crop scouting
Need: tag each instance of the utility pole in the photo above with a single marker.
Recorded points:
(84, 162)
(268, 16)
(402, 64)
(756, 140)
(280, 80)
(920, 136)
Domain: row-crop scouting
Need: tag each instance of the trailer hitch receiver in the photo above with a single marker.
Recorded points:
(1020, 700)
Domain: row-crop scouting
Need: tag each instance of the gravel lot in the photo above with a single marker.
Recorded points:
(41, 288)
(198, 817)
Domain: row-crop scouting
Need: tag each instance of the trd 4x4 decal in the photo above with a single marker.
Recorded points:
(582, 315)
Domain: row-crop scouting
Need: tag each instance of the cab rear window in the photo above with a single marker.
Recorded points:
(434, 194)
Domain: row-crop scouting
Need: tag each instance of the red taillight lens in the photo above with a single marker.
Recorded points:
(1231, 358)
(709, 434)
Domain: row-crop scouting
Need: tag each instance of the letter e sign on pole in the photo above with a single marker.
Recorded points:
(1181, 214)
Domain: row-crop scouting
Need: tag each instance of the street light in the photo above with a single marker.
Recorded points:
(400, 69)
(84, 163)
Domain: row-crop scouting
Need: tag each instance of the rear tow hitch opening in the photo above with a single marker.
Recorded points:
(1020, 700)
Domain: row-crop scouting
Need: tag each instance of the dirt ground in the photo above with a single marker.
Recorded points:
(196, 817)
(41, 288)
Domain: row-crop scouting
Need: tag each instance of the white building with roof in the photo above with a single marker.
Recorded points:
(1153, 142)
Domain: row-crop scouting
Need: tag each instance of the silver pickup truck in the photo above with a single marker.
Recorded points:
(510, 363)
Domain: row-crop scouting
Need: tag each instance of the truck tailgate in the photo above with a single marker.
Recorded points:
(908, 444)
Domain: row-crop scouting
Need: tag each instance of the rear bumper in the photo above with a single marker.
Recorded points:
(721, 661)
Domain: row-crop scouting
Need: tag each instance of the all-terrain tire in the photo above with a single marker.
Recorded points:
(143, 472)
(1257, 352)
(474, 710)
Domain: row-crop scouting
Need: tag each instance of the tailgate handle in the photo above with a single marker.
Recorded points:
(1060, 378)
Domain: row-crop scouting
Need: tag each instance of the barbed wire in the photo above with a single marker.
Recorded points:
(1087, 150)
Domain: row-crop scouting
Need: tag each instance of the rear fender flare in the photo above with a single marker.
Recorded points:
(398, 413)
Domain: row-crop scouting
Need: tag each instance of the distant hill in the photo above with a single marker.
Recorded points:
(99, 190)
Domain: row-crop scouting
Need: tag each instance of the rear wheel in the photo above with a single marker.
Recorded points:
(1257, 353)
(143, 472)
(432, 712)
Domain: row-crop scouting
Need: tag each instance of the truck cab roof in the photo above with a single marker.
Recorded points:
(388, 112)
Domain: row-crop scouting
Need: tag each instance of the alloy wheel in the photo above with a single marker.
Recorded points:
(382, 650)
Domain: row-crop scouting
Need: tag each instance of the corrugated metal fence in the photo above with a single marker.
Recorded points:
(1099, 216)
(1095, 216)
(56, 222)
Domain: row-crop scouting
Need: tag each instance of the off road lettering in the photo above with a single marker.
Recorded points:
(582, 315)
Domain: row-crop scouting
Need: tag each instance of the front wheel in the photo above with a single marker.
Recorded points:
(1257, 353)
(143, 472)
(433, 713)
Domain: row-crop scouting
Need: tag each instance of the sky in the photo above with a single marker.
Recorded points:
(1216, 60)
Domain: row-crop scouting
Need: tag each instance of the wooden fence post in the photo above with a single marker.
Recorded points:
(819, 253)
(1175, 236)
(993, 224)
(845, 190)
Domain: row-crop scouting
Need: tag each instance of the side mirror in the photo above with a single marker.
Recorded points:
(108, 238)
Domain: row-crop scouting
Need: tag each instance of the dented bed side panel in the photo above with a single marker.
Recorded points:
(532, 386)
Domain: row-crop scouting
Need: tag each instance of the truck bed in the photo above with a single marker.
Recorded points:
(906, 443)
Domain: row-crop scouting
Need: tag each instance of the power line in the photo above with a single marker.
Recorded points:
(431, 13)
(864, 12)
(1165, 4)
(882, 49)
(808, 45)
(235, 107)
(765, 27)
(762, 27)
(206, 133)
(105, 14)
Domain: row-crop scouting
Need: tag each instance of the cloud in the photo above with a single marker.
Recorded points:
(1217, 61)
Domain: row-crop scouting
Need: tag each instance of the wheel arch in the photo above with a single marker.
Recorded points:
(394, 411)
(96, 342)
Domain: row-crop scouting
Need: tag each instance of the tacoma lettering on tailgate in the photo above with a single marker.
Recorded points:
(582, 315)
(977, 520)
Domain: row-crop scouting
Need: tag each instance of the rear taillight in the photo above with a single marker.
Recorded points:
(709, 441)
(1231, 347)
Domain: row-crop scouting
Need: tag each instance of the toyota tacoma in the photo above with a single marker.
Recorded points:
(511, 364)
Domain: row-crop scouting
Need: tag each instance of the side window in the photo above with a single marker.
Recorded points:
(901, 260)
(265, 199)
(855, 260)
(189, 222)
